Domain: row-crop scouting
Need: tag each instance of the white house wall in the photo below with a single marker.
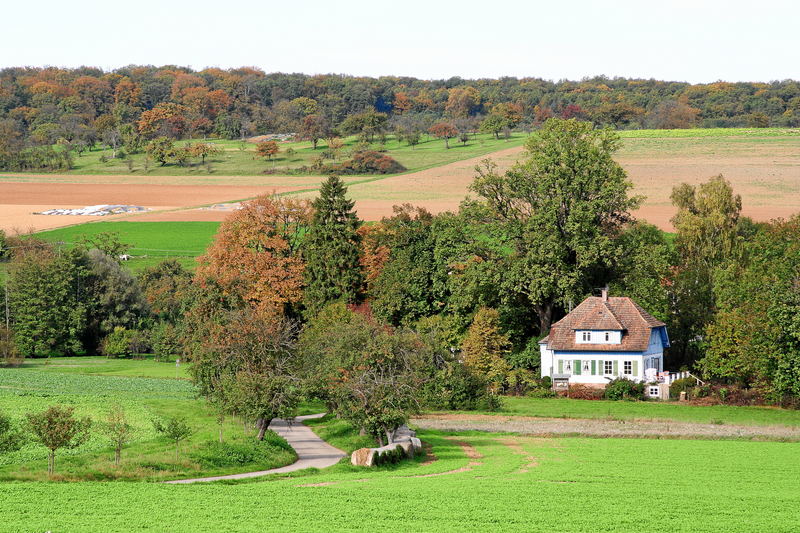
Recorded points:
(585, 378)
(546, 361)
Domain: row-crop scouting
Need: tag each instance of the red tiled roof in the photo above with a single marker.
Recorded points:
(618, 313)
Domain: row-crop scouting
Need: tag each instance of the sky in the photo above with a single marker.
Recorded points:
(676, 40)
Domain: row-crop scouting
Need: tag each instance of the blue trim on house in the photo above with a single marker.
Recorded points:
(664, 337)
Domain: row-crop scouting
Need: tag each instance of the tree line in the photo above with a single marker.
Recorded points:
(296, 298)
(129, 107)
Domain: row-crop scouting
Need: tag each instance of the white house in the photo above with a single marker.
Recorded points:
(602, 339)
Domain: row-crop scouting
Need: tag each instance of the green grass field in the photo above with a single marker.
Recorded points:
(151, 242)
(146, 390)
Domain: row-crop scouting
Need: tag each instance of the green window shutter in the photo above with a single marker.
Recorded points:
(635, 367)
(560, 366)
(577, 367)
(594, 368)
(601, 367)
(616, 368)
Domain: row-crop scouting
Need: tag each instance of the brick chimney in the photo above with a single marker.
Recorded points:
(604, 293)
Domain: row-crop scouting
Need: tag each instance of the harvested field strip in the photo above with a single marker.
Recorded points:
(604, 428)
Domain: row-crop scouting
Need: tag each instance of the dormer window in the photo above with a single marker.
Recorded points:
(608, 336)
(587, 336)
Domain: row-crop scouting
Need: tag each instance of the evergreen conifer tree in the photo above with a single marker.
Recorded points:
(331, 249)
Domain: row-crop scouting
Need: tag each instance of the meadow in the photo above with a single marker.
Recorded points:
(151, 242)
(146, 390)
(239, 158)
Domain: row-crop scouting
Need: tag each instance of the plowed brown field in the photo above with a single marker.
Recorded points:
(18, 201)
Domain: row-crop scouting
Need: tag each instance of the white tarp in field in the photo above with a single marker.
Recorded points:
(96, 210)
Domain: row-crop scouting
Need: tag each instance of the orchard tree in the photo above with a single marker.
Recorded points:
(57, 427)
(560, 211)
(494, 124)
(255, 256)
(444, 130)
(161, 149)
(203, 150)
(366, 373)
(331, 248)
(248, 367)
(313, 128)
(267, 149)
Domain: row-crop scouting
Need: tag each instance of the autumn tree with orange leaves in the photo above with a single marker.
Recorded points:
(255, 259)
(267, 149)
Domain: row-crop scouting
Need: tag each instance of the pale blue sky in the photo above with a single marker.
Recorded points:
(696, 41)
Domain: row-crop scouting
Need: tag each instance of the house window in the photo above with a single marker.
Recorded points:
(608, 336)
(569, 367)
(586, 366)
(627, 367)
(608, 367)
(654, 391)
(586, 336)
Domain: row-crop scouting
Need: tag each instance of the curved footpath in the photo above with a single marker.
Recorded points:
(312, 451)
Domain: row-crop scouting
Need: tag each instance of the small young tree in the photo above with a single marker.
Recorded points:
(176, 429)
(10, 437)
(57, 427)
(118, 429)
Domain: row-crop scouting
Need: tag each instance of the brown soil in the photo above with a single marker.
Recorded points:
(21, 200)
(767, 178)
(602, 428)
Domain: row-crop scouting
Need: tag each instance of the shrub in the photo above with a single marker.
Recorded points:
(369, 162)
(118, 342)
(541, 392)
(624, 389)
(390, 457)
(681, 385)
(454, 387)
(582, 392)
(224, 454)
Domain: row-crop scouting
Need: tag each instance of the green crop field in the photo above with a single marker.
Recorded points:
(507, 484)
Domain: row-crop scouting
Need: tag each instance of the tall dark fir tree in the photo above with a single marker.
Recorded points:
(331, 249)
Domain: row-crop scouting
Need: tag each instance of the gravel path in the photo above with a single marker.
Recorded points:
(602, 428)
(312, 451)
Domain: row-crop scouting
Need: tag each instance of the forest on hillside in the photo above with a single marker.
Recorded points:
(129, 107)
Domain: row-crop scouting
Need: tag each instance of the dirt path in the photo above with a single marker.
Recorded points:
(312, 451)
(602, 428)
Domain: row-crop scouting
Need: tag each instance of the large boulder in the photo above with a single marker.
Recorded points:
(363, 457)
(409, 446)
